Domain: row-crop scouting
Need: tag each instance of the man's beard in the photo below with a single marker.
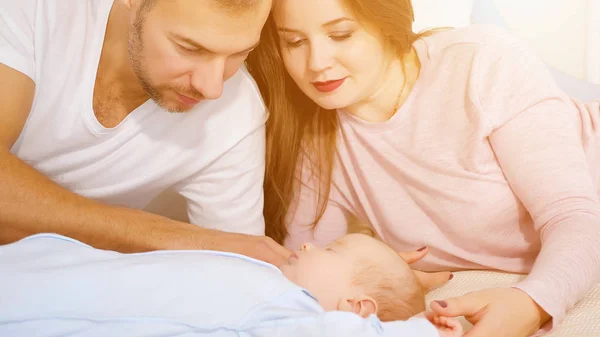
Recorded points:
(135, 49)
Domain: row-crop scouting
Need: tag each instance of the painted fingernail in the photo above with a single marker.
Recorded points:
(442, 304)
(421, 249)
(451, 277)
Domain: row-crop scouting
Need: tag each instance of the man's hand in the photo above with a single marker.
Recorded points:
(259, 247)
(429, 281)
(498, 312)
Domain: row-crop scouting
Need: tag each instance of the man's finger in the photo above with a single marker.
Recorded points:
(282, 251)
(278, 254)
(430, 281)
(414, 256)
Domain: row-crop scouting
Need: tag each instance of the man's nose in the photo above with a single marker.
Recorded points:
(208, 79)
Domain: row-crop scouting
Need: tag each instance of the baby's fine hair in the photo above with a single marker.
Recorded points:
(397, 291)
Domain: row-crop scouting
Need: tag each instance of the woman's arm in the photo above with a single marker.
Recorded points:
(545, 164)
(536, 141)
(540, 151)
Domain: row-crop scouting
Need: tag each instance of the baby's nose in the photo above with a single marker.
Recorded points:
(306, 247)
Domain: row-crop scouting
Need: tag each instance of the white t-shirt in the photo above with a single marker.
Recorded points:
(212, 155)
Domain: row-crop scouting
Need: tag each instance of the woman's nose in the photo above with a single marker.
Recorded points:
(320, 57)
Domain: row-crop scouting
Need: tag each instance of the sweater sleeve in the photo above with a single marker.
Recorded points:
(536, 143)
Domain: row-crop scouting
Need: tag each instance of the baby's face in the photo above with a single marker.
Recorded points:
(327, 273)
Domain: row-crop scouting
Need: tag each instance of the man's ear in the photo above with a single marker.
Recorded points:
(131, 4)
(363, 305)
(133, 7)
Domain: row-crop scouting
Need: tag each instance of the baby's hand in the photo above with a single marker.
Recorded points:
(446, 326)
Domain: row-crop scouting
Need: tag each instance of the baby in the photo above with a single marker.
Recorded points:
(210, 293)
(360, 274)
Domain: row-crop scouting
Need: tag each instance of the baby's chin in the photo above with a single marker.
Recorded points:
(287, 271)
(291, 274)
(288, 265)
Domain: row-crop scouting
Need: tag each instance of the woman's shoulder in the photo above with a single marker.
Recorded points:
(464, 39)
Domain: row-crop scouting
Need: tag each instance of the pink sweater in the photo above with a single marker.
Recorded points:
(487, 163)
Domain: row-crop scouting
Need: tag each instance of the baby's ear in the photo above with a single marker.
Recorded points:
(363, 306)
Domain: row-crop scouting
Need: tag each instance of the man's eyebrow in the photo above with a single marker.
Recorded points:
(326, 24)
(191, 42)
(201, 47)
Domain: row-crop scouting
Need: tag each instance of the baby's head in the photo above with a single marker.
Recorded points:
(360, 274)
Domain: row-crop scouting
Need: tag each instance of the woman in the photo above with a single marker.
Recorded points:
(454, 139)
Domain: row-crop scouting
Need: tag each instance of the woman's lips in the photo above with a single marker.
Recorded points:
(328, 86)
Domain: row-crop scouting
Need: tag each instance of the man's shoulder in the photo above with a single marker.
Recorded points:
(54, 12)
(242, 80)
(41, 37)
(243, 88)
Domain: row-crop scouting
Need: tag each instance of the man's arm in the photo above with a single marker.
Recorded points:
(32, 203)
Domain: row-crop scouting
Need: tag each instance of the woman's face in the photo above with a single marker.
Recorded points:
(336, 60)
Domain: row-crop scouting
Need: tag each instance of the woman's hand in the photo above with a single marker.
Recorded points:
(429, 281)
(498, 312)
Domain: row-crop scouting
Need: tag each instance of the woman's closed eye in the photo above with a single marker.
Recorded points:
(340, 37)
(185, 49)
(294, 43)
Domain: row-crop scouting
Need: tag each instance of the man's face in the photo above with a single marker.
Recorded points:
(182, 51)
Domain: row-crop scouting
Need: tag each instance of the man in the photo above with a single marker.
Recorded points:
(106, 103)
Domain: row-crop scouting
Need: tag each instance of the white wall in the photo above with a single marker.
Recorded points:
(566, 33)
(555, 28)
(593, 41)
(441, 13)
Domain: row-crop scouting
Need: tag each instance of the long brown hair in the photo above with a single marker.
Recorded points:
(297, 128)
